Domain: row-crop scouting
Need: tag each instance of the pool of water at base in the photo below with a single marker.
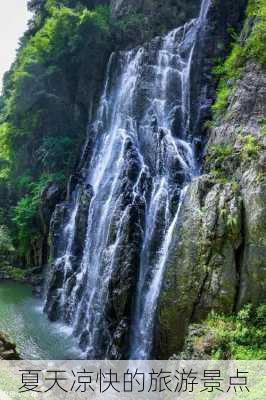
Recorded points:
(22, 319)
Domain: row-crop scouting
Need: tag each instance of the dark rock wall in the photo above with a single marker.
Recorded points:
(160, 11)
(145, 19)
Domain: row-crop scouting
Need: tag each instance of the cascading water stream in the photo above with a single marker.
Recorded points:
(142, 341)
(138, 174)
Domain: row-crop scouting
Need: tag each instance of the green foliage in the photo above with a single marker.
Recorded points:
(219, 153)
(240, 337)
(252, 48)
(208, 125)
(6, 245)
(222, 160)
(44, 108)
(233, 226)
(141, 24)
(130, 24)
(132, 28)
(223, 95)
(26, 219)
(217, 161)
(26, 215)
(4, 151)
(16, 274)
(39, 129)
(232, 222)
(251, 147)
(227, 73)
(256, 44)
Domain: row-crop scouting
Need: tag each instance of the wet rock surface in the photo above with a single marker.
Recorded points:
(110, 241)
(7, 349)
(219, 259)
(199, 344)
(61, 252)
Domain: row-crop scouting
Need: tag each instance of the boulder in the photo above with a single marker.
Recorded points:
(7, 348)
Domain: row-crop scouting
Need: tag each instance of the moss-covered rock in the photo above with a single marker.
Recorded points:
(219, 260)
(203, 272)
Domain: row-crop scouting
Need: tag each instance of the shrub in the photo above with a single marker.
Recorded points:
(26, 215)
(223, 95)
(218, 159)
(256, 44)
(240, 337)
(219, 153)
(251, 147)
(43, 112)
(6, 245)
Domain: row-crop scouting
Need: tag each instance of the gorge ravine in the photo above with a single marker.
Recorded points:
(123, 207)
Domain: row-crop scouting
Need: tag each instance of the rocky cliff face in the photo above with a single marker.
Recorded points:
(167, 11)
(111, 237)
(219, 259)
(121, 8)
(145, 19)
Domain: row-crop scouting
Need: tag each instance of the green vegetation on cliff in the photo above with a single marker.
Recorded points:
(222, 337)
(240, 337)
(250, 45)
(48, 97)
(236, 157)
(44, 107)
(223, 160)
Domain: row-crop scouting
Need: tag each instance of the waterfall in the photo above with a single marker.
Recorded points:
(141, 164)
(148, 297)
